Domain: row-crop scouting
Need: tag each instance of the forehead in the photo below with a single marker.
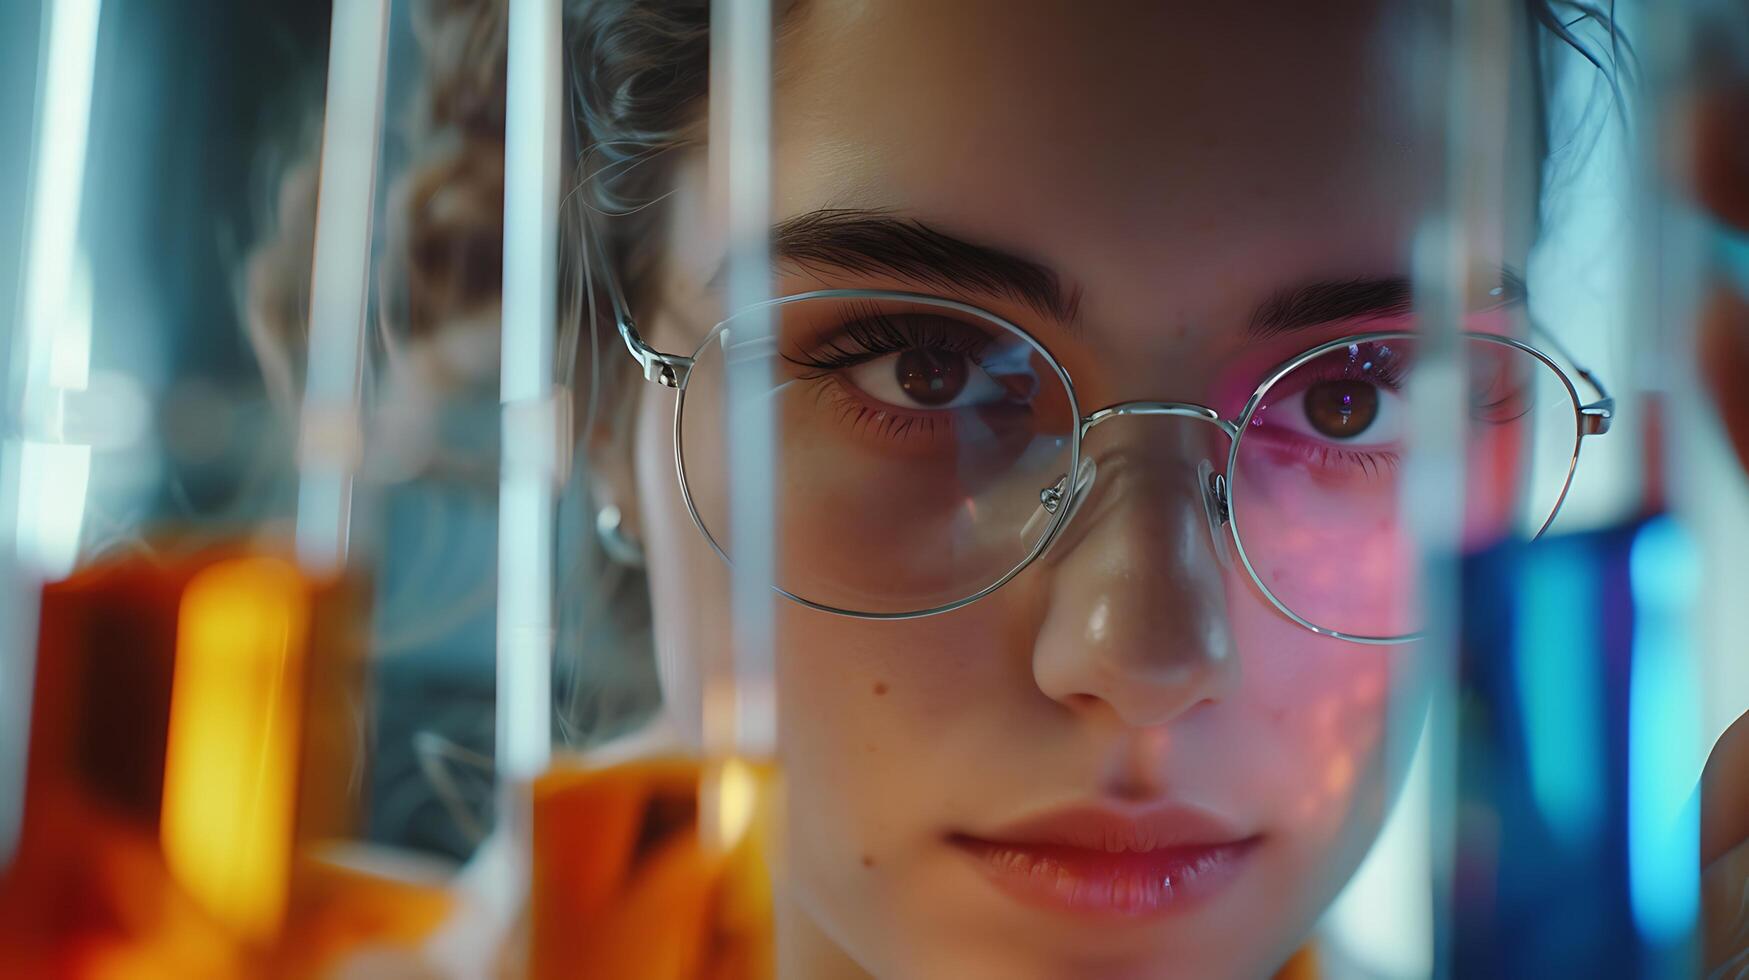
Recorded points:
(1112, 139)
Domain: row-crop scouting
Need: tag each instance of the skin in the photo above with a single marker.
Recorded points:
(1129, 666)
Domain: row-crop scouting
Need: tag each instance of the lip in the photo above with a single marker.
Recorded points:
(1100, 862)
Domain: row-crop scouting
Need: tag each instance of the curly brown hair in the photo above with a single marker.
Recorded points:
(639, 70)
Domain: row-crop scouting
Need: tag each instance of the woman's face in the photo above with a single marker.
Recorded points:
(957, 780)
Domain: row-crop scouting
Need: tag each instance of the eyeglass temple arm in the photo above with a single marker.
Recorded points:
(1596, 416)
(668, 370)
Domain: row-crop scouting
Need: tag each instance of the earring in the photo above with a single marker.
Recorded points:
(610, 531)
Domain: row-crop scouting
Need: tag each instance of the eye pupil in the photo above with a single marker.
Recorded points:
(1341, 409)
(931, 377)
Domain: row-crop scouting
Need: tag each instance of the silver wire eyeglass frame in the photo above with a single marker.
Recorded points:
(673, 370)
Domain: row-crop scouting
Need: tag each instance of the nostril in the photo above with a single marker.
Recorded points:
(1082, 702)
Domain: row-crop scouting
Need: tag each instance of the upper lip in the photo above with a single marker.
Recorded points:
(1104, 828)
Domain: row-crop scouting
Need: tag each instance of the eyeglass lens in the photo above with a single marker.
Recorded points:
(919, 445)
(914, 443)
(1317, 494)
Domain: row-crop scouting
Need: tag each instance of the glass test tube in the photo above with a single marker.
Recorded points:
(656, 866)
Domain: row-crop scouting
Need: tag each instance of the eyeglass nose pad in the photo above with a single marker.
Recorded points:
(1215, 507)
(1057, 496)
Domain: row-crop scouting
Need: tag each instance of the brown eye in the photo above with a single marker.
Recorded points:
(1341, 409)
(931, 377)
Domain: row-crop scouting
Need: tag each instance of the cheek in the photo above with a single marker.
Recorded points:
(871, 711)
(893, 731)
(1325, 705)
(876, 743)
(1335, 723)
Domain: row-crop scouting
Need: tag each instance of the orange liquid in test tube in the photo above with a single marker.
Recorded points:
(654, 870)
(195, 734)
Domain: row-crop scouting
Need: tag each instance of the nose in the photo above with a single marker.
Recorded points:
(1137, 622)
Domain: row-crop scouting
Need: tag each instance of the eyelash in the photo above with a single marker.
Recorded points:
(1483, 411)
(869, 333)
(861, 418)
(875, 333)
(1369, 463)
(1388, 374)
(1391, 375)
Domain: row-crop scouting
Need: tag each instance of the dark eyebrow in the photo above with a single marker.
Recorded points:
(865, 241)
(1299, 307)
(862, 241)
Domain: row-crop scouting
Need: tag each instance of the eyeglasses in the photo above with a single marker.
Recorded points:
(928, 451)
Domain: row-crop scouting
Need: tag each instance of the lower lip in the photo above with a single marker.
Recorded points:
(1128, 884)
